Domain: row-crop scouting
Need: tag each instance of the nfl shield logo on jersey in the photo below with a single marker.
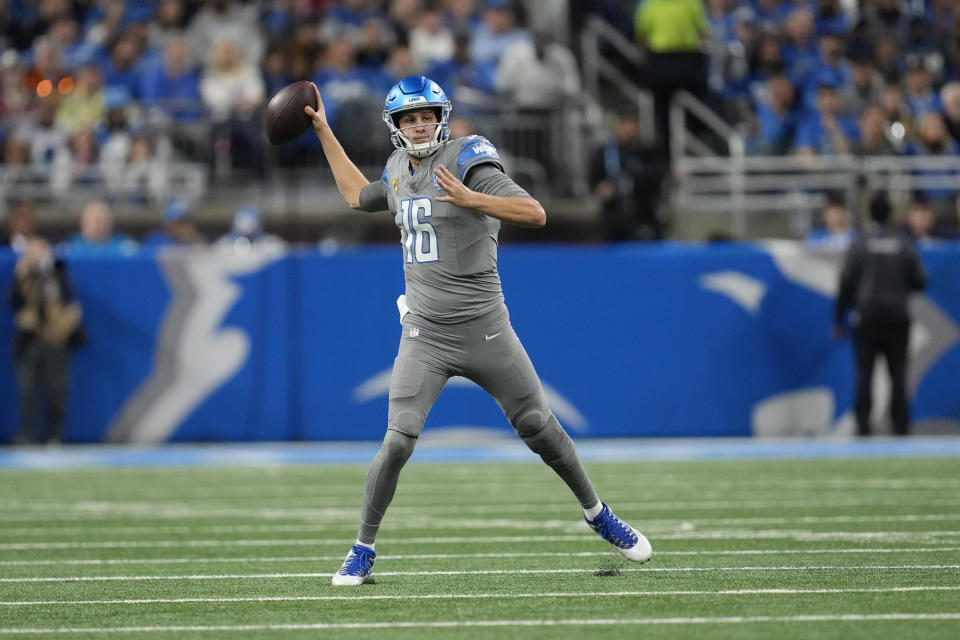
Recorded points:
(414, 332)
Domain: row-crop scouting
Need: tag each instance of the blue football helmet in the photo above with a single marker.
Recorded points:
(417, 92)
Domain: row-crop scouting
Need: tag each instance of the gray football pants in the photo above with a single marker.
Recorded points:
(487, 351)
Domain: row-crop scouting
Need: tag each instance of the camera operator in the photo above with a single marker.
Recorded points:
(47, 323)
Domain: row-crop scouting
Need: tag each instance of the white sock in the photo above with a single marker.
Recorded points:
(593, 511)
(368, 545)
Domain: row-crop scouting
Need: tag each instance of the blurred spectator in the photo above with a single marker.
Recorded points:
(172, 88)
(829, 17)
(403, 16)
(883, 19)
(498, 32)
(120, 72)
(77, 164)
(837, 234)
(16, 98)
(83, 107)
(18, 171)
(66, 37)
(168, 24)
(141, 175)
(276, 71)
(732, 56)
(538, 74)
(950, 98)
(864, 89)
(46, 138)
(919, 95)
(105, 21)
(932, 140)
(219, 20)
(247, 234)
(879, 274)
(338, 78)
(771, 14)
(20, 226)
(830, 67)
(800, 44)
(672, 31)
(778, 116)
(874, 140)
(825, 131)
(431, 40)
(886, 57)
(96, 233)
(47, 325)
(897, 115)
(46, 68)
(625, 178)
(465, 80)
(179, 228)
(462, 15)
(398, 66)
(375, 44)
(921, 222)
(346, 19)
(232, 90)
(766, 62)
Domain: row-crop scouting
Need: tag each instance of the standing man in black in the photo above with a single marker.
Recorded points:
(880, 272)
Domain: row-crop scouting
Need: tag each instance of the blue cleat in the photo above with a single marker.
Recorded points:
(629, 542)
(356, 567)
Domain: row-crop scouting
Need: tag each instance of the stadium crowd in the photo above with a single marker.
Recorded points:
(115, 92)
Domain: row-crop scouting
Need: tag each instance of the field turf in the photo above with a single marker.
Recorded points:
(847, 549)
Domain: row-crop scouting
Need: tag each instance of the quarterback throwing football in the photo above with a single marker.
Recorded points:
(448, 198)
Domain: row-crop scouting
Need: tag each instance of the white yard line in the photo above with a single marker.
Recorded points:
(447, 624)
(905, 536)
(415, 522)
(314, 490)
(322, 507)
(478, 596)
(454, 556)
(477, 572)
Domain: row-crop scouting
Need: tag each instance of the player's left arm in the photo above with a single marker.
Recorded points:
(524, 211)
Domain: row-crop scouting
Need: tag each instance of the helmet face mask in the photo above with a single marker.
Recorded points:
(417, 92)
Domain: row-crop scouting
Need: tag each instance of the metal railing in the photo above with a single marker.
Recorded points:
(597, 68)
(148, 186)
(742, 191)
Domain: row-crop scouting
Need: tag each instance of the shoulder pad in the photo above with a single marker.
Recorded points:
(475, 150)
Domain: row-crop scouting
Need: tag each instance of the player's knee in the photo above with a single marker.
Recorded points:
(529, 422)
(549, 440)
(398, 446)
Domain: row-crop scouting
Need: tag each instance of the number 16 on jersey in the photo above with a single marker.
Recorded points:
(418, 234)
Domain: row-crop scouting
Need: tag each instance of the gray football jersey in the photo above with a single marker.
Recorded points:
(449, 253)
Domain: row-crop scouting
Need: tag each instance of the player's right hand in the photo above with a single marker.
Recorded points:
(318, 116)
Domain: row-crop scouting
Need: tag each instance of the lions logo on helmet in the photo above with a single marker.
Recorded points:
(417, 92)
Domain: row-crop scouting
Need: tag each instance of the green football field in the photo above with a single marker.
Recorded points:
(860, 548)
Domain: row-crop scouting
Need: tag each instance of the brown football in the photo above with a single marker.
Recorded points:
(284, 119)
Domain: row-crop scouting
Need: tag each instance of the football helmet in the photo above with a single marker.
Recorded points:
(417, 92)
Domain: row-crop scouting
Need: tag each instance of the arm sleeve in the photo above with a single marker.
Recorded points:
(490, 180)
(849, 280)
(373, 197)
(917, 277)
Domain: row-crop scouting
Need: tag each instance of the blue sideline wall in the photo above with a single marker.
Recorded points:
(655, 340)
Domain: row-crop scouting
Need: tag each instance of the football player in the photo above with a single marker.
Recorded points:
(448, 198)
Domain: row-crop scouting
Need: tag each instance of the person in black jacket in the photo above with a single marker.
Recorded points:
(879, 273)
(47, 322)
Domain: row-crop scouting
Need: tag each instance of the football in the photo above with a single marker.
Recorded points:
(284, 119)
